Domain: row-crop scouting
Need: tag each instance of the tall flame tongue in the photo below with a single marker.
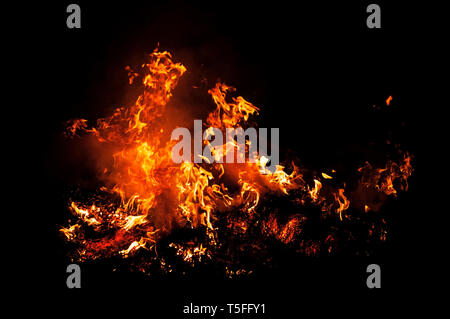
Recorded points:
(146, 195)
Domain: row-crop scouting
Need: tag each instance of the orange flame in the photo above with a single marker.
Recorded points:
(388, 100)
(155, 194)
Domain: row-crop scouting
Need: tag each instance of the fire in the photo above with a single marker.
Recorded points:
(388, 100)
(146, 195)
(315, 191)
(383, 179)
(229, 114)
(326, 176)
(196, 197)
(342, 201)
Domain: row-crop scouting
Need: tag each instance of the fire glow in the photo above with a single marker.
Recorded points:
(146, 197)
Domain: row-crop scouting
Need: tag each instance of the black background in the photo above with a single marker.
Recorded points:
(316, 70)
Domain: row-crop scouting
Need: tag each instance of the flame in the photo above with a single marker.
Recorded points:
(315, 191)
(146, 195)
(229, 114)
(388, 100)
(326, 176)
(343, 202)
(190, 253)
(383, 179)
